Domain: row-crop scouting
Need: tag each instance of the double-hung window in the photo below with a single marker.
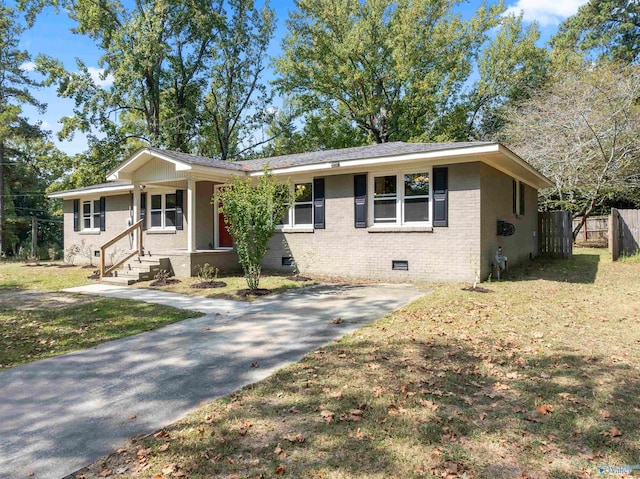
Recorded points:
(163, 211)
(402, 199)
(301, 214)
(91, 215)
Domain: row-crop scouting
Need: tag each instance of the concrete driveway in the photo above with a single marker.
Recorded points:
(60, 414)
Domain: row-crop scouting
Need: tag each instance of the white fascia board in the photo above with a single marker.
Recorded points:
(217, 172)
(90, 192)
(470, 151)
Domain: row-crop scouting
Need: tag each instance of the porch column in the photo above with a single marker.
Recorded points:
(135, 211)
(191, 215)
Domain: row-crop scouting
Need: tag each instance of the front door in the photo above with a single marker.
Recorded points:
(223, 238)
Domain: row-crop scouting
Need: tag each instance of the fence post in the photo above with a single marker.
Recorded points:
(614, 241)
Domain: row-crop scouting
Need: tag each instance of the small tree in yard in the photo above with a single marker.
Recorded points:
(252, 212)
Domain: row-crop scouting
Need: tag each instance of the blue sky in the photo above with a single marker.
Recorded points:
(51, 35)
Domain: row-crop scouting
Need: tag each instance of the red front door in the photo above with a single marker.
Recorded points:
(224, 238)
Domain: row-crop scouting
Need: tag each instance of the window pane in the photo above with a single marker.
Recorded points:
(416, 209)
(156, 202)
(285, 219)
(302, 215)
(87, 222)
(86, 207)
(384, 186)
(156, 218)
(171, 201)
(416, 184)
(303, 192)
(384, 211)
(96, 220)
(170, 218)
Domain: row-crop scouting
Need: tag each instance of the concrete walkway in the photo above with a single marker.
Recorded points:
(59, 414)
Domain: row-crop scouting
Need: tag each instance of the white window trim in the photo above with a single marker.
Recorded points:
(519, 185)
(163, 196)
(92, 229)
(289, 225)
(400, 197)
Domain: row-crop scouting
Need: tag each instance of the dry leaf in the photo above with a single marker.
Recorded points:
(615, 432)
(605, 414)
(280, 470)
(164, 447)
(255, 364)
(327, 415)
(296, 438)
(337, 320)
(544, 409)
(106, 473)
(277, 450)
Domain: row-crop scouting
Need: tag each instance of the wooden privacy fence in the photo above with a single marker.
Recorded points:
(555, 234)
(624, 233)
(596, 228)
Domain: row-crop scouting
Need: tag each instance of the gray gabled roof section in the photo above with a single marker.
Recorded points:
(356, 153)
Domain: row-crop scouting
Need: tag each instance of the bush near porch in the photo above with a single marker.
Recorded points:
(537, 378)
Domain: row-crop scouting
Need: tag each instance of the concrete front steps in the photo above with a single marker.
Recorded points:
(137, 269)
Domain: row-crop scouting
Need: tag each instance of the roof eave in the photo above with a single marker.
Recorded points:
(89, 191)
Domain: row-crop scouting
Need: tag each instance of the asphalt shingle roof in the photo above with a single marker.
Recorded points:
(356, 153)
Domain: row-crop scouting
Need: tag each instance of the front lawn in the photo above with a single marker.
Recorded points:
(37, 321)
(537, 378)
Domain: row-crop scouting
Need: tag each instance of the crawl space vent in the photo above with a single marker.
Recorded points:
(287, 261)
(398, 265)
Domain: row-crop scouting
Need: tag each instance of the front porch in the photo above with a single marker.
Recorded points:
(187, 263)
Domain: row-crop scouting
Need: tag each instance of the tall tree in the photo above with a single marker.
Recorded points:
(156, 56)
(236, 105)
(606, 28)
(583, 131)
(395, 70)
(15, 85)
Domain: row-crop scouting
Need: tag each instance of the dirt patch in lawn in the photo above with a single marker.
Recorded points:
(35, 300)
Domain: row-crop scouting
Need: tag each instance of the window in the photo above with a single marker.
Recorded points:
(303, 204)
(91, 215)
(302, 212)
(163, 211)
(410, 204)
(416, 197)
(385, 195)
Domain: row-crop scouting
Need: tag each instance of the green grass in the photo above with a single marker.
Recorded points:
(452, 385)
(37, 321)
(47, 276)
(276, 283)
(28, 335)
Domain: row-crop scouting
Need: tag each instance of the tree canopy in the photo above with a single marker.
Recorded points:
(400, 70)
(582, 130)
(603, 28)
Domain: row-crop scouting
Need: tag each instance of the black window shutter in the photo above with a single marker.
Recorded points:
(76, 215)
(515, 197)
(440, 197)
(103, 213)
(179, 206)
(318, 203)
(143, 210)
(521, 198)
(360, 197)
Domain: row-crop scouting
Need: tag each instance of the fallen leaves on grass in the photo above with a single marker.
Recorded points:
(544, 409)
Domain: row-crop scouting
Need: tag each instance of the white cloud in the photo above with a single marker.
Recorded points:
(28, 66)
(96, 76)
(546, 12)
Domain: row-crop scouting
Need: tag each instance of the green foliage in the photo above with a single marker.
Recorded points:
(603, 28)
(252, 212)
(28, 159)
(182, 76)
(382, 70)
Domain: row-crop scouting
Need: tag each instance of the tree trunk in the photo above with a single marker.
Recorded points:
(2, 202)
